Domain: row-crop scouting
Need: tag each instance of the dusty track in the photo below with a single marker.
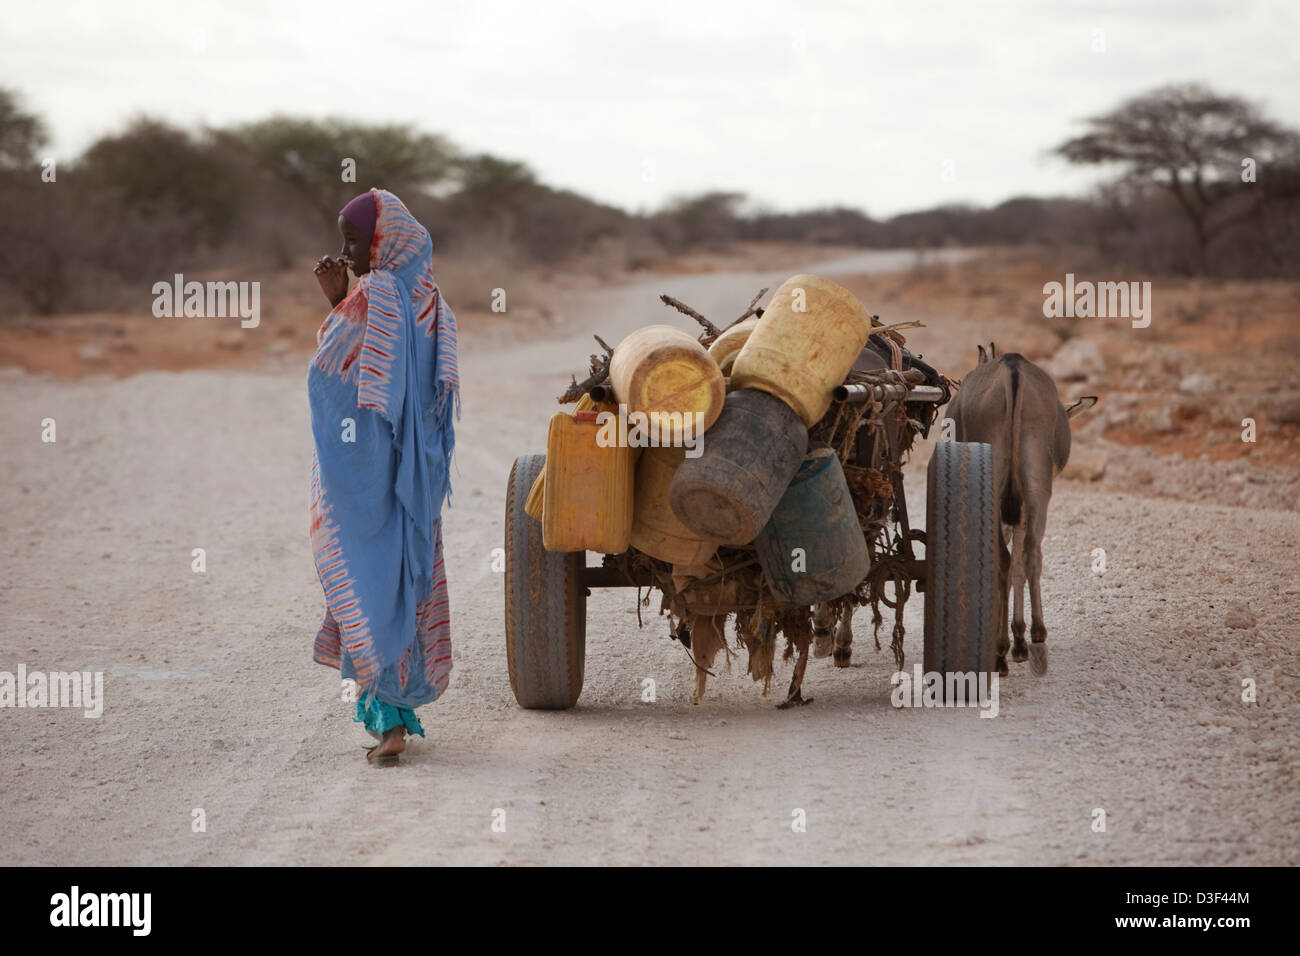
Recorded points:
(212, 700)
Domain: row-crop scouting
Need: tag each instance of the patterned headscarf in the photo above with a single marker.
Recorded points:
(401, 279)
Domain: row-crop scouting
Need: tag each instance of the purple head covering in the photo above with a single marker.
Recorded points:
(362, 212)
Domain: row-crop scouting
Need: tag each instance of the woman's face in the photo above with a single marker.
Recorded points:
(356, 247)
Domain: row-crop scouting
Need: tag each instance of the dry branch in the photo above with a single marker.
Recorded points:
(753, 308)
(599, 374)
(711, 329)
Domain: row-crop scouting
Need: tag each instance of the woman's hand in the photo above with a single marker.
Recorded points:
(332, 274)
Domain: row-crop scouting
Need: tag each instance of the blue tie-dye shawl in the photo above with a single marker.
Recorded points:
(382, 386)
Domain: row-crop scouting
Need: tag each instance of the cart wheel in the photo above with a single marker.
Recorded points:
(961, 560)
(546, 604)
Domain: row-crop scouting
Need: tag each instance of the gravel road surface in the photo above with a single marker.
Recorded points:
(212, 702)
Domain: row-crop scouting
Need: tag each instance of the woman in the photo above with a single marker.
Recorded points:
(381, 387)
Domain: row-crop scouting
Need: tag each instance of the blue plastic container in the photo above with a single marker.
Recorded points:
(812, 548)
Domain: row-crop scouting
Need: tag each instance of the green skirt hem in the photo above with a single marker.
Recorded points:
(378, 716)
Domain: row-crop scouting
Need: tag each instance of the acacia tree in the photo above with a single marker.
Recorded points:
(307, 155)
(181, 184)
(1190, 141)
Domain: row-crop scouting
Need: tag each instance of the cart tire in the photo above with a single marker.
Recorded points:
(546, 604)
(961, 560)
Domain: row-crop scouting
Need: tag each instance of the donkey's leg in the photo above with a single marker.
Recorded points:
(1035, 526)
(844, 638)
(1019, 652)
(1001, 594)
(795, 695)
(823, 621)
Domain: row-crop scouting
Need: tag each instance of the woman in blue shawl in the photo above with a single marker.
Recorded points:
(382, 386)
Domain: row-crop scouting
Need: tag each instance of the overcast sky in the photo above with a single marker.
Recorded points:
(885, 106)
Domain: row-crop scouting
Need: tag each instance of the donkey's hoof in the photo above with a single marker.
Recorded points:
(822, 645)
(1038, 658)
(1019, 651)
(843, 657)
(1003, 670)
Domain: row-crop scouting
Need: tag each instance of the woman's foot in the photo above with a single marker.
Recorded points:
(390, 745)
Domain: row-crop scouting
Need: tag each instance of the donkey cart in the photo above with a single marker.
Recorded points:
(872, 416)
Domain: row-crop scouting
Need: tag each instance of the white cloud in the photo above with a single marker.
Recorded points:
(797, 104)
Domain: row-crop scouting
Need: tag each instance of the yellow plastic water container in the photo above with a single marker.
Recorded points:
(804, 346)
(656, 530)
(727, 346)
(664, 372)
(588, 491)
(537, 493)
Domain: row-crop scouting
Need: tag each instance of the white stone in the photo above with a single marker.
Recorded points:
(1198, 383)
(1076, 360)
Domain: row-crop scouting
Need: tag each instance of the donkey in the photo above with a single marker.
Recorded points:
(1012, 404)
(833, 632)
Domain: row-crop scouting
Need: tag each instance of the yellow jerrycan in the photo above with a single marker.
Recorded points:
(588, 491)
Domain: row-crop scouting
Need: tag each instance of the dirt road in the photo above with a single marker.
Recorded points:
(212, 701)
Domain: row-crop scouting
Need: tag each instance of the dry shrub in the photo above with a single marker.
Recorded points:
(469, 277)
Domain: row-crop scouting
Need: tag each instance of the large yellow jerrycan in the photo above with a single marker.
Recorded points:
(664, 372)
(588, 492)
(810, 334)
(537, 494)
(655, 529)
(727, 346)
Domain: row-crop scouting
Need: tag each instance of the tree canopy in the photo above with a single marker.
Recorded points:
(1191, 141)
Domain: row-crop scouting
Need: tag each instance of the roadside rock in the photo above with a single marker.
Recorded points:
(1162, 422)
(1198, 383)
(1077, 360)
(1153, 365)
(1116, 415)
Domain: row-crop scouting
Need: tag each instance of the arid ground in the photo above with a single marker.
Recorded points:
(176, 434)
